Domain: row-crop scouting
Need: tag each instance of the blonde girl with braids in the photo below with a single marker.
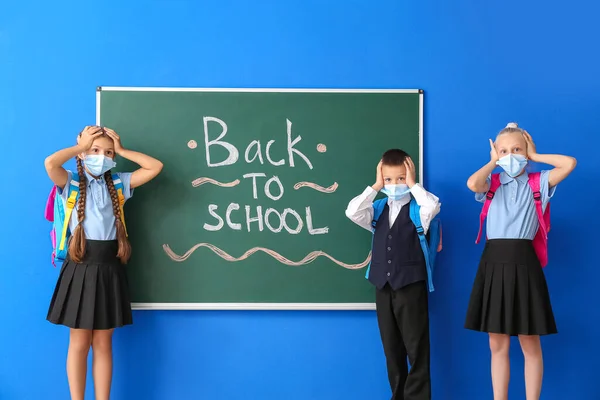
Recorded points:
(91, 296)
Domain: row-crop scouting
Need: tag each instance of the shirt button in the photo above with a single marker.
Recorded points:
(389, 248)
(388, 274)
(389, 261)
(390, 236)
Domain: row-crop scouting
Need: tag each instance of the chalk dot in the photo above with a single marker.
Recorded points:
(192, 144)
(321, 148)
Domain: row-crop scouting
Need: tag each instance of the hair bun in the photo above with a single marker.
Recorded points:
(512, 125)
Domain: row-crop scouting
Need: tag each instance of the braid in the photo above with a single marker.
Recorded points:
(77, 242)
(124, 246)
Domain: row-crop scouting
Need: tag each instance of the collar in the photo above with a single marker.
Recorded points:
(90, 178)
(402, 202)
(505, 178)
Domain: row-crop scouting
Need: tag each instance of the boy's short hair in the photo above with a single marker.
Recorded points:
(394, 157)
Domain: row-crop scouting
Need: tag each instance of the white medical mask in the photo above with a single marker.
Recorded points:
(98, 164)
(512, 164)
(396, 192)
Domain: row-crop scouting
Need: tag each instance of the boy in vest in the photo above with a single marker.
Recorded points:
(399, 273)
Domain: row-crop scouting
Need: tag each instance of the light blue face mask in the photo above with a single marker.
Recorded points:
(396, 192)
(97, 164)
(512, 164)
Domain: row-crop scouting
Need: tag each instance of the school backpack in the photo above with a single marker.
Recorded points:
(540, 241)
(59, 212)
(430, 247)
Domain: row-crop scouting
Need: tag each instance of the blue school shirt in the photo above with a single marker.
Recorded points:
(99, 222)
(512, 212)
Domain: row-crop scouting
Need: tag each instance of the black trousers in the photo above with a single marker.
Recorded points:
(403, 319)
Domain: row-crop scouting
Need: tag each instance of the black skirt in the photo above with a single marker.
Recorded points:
(93, 294)
(510, 294)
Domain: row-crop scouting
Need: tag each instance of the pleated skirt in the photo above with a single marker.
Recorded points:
(93, 294)
(510, 295)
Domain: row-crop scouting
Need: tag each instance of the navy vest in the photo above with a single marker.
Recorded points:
(397, 257)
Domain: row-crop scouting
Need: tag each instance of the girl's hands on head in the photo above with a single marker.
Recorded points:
(563, 165)
(477, 182)
(116, 139)
(54, 162)
(493, 152)
(531, 149)
(87, 136)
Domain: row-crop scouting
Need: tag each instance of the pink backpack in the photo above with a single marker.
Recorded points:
(49, 214)
(540, 241)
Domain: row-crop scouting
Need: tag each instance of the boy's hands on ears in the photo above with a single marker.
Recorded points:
(379, 181)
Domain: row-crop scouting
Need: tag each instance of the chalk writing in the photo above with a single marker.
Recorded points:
(310, 257)
(202, 181)
(233, 152)
(253, 217)
(311, 185)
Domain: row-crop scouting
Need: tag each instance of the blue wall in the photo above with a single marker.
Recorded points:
(481, 65)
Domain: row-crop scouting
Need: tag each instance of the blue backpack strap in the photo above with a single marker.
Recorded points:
(415, 217)
(435, 236)
(73, 187)
(74, 184)
(378, 206)
(118, 183)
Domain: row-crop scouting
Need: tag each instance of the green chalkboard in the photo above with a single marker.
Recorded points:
(208, 232)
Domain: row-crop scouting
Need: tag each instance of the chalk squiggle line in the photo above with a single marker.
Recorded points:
(310, 257)
(203, 180)
(311, 185)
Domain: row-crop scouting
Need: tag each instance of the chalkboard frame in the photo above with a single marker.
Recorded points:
(264, 306)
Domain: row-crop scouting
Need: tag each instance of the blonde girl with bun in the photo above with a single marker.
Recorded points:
(510, 295)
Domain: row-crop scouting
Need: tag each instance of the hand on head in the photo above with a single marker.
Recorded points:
(86, 138)
(379, 177)
(410, 172)
(116, 139)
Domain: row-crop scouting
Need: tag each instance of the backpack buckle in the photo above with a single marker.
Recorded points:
(537, 196)
(71, 202)
(121, 197)
(490, 195)
(420, 230)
